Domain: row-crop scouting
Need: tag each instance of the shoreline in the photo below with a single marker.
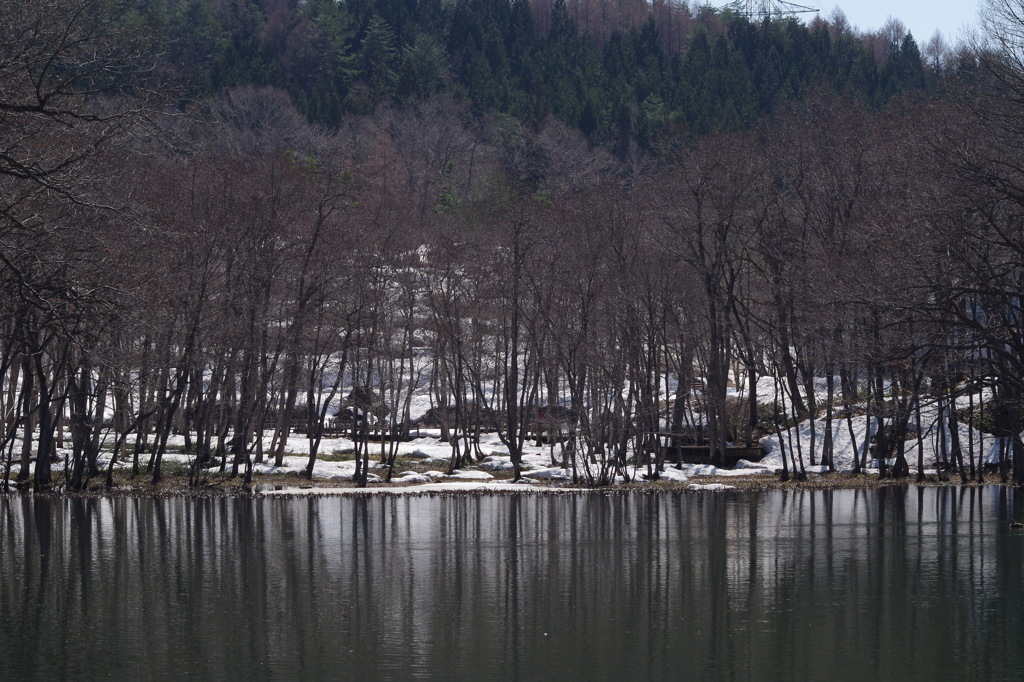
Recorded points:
(290, 485)
(421, 467)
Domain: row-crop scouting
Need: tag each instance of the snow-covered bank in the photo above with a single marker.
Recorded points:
(423, 463)
(426, 489)
(798, 441)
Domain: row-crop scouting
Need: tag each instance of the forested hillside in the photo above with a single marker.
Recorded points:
(222, 218)
(618, 70)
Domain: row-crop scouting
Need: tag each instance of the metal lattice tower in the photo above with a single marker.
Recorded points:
(758, 10)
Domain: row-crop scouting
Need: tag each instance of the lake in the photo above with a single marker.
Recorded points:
(894, 583)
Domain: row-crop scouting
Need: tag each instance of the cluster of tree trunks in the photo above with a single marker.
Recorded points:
(213, 271)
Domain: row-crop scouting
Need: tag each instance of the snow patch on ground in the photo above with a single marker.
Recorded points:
(411, 477)
(552, 473)
(673, 475)
(496, 464)
(798, 442)
(473, 486)
(469, 475)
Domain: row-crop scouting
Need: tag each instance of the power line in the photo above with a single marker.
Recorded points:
(768, 9)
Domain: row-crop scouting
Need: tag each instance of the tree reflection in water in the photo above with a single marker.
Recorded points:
(895, 582)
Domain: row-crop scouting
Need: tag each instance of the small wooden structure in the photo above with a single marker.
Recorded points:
(679, 448)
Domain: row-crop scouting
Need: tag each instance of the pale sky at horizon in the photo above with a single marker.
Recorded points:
(923, 18)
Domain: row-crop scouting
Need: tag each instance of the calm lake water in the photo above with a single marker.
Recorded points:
(882, 584)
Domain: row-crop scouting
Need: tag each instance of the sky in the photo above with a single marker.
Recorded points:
(922, 17)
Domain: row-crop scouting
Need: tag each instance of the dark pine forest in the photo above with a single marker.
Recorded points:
(621, 71)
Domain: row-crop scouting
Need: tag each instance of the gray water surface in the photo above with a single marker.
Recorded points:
(880, 584)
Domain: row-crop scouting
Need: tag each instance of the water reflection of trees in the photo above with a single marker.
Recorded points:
(782, 583)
